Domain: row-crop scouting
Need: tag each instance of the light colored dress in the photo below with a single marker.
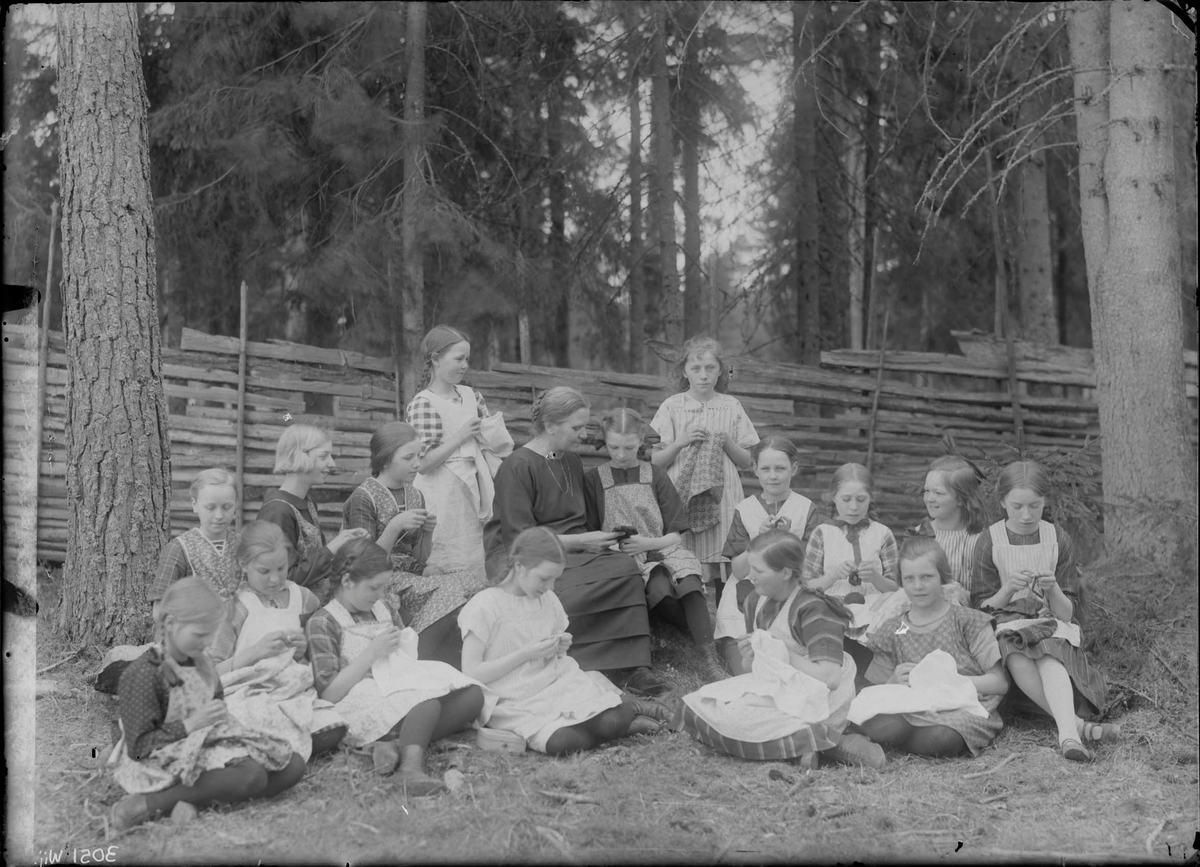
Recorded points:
(796, 509)
(460, 490)
(723, 414)
(775, 711)
(541, 696)
(205, 749)
(375, 704)
(276, 694)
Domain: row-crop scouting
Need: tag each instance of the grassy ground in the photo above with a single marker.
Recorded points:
(666, 799)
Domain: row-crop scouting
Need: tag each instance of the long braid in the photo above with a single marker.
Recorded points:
(535, 411)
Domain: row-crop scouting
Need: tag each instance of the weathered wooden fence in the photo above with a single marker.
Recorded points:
(900, 417)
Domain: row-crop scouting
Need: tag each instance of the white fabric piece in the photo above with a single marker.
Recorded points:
(934, 685)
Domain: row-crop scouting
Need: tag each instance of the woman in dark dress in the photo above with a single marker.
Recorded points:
(304, 456)
(541, 484)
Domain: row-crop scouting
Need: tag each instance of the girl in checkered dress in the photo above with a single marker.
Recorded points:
(932, 623)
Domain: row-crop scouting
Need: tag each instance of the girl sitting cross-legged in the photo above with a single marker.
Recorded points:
(515, 640)
(180, 748)
(365, 661)
(931, 624)
(261, 651)
(794, 701)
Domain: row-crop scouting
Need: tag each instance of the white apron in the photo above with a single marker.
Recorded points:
(276, 694)
(459, 491)
(731, 623)
(1042, 557)
(372, 707)
(878, 607)
(775, 699)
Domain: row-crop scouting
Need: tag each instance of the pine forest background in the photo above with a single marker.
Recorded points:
(838, 175)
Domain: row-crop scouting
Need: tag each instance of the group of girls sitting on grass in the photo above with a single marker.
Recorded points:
(278, 645)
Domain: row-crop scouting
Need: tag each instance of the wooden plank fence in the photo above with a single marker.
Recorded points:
(351, 394)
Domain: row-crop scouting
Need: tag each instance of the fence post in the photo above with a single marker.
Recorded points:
(243, 326)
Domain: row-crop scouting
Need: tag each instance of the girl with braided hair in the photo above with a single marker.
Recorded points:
(454, 477)
(541, 484)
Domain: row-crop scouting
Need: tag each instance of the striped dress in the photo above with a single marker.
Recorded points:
(777, 712)
(959, 546)
(681, 412)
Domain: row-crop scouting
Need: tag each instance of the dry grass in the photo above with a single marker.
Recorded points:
(666, 799)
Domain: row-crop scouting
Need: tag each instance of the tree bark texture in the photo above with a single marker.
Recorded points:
(663, 192)
(804, 119)
(1149, 470)
(412, 284)
(689, 133)
(1035, 286)
(119, 471)
(637, 282)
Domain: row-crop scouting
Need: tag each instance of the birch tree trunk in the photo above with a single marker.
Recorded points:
(119, 461)
(1131, 240)
(412, 284)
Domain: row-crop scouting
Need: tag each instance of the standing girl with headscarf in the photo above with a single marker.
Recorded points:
(454, 477)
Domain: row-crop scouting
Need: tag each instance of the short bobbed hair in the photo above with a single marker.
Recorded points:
(293, 452)
(916, 547)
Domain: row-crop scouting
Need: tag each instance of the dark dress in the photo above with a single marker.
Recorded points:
(1087, 681)
(602, 593)
(298, 518)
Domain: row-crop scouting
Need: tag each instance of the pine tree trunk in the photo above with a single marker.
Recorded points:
(663, 192)
(567, 331)
(119, 462)
(805, 118)
(1035, 286)
(412, 284)
(689, 133)
(637, 283)
(1149, 469)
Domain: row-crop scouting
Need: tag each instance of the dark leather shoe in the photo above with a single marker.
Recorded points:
(641, 681)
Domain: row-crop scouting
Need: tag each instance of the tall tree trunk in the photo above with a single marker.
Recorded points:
(804, 120)
(637, 282)
(119, 461)
(561, 278)
(870, 235)
(689, 133)
(1035, 269)
(1131, 239)
(663, 191)
(412, 284)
